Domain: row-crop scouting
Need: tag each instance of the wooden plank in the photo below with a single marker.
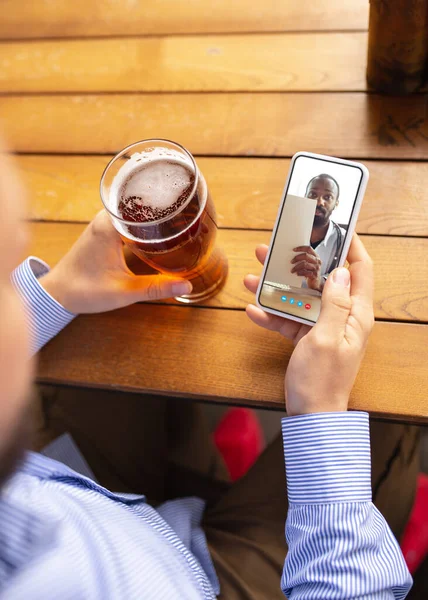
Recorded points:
(348, 125)
(219, 355)
(246, 191)
(62, 18)
(401, 268)
(268, 62)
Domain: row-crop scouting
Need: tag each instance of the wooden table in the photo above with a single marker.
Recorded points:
(243, 85)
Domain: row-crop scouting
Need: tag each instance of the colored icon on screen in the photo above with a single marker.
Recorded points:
(291, 300)
(300, 303)
(284, 298)
(307, 306)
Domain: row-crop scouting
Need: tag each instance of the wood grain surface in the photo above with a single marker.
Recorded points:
(62, 18)
(246, 191)
(153, 349)
(263, 124)
(401, 292)
(118, 71)
(269, 62)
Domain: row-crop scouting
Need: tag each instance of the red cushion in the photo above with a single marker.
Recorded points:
(415, 539)
(239, 438)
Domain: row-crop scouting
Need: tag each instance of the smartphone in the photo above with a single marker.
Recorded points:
(312, 233)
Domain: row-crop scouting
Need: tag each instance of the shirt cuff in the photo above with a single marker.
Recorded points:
(45, 315)
(327, 457)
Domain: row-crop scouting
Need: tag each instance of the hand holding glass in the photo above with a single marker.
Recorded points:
(160, 204)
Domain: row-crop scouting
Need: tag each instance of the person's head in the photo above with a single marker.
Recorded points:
(325, 190)
(15, 365)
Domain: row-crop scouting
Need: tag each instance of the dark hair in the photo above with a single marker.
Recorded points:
(324, 176)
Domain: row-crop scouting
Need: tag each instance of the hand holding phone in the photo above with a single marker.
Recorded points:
(312, 233)
(327, 357)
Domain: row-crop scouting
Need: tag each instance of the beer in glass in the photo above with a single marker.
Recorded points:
(160, 204)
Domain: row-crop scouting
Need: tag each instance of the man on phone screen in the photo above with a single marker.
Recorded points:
(316, 261)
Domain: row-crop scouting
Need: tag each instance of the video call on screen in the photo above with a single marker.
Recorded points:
(312, 228)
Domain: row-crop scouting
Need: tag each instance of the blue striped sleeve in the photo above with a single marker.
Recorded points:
(339, 545)
(46, 317)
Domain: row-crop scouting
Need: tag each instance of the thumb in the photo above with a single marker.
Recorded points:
(158, 287)
(335, 302)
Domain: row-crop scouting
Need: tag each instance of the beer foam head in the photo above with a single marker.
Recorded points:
(161, 174)
(157, 184)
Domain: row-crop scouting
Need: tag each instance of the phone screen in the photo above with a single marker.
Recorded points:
(319, 203)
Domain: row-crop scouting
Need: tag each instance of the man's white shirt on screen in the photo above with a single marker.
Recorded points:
(328, 248)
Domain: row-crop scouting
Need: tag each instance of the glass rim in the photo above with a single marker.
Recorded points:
(168, 217)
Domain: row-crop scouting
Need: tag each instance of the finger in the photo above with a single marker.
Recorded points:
(304, 273)
(251, 282)
(361, 269)
(302, 256)
(102, 225)
(305, 266)
(288, 329)
(307, 249)
(357, 251)
(300, 265)
(362, 283)
(261, 253)
(314, 259)
(335, 306)
(155, 287)
(102, 234)
(304, 329)
(263, 319)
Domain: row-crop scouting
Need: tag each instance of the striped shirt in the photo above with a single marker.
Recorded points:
(63, 536)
